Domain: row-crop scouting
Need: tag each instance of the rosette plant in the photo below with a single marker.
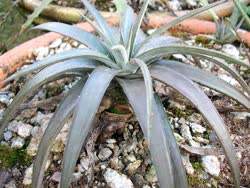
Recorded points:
(133, 60)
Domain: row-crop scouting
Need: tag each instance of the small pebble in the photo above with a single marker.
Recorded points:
(117, 180)
(187, 164)
(132, 167)
(7, 135)
(17, 142)
(104, 154)
(56, 43)
(197, 128)
(211, 165)
(28, 175)
(4, 99)
(231, 50)
(185, 132)
(76, 176)
(24, 130)
(85, 163)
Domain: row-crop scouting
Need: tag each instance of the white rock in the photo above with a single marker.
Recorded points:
(85, 163)
(76, 176)
(231, 50)
(116, 180)
(51, 52)
(56, 43)
(67, 47)
(197, 128)
(104, 154)
(59, 143)
(176, 125)
(41, 119)
(191, 3)
(24, 130)
(206, 64)
(13, 126)
(36, 131)
(75, 44)
(131, 158)
(111, 141)
(7, 135)
(41, 53)
(17, 142)
(27, 180)
(81, 46)
(188, 166)
(185, 132)
(217, 46)
(241, 115)
(238, 155)
(179, 57)
(211, 165)
(174, 5)
(11, 184)
(4, 99)
(80, 168)
(63, 45)
(33, 146)
(182, 121)
(103, 166)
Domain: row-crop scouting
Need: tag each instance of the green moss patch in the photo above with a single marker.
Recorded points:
(10, 157)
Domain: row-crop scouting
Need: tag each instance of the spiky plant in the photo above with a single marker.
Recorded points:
(133, 60)
(226, 29)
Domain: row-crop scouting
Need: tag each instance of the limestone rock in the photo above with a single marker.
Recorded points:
(104, 154)
(116, 180)
(132, 167)
(7, 135)
(17, 142)
(197, 128)
(187, 164)
(211, 165)
(24, 130)
(27, 180)
(185, 132)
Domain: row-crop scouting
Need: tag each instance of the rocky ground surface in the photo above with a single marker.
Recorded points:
(119, 156)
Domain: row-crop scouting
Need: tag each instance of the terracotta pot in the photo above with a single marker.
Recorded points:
(14, 58)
